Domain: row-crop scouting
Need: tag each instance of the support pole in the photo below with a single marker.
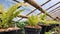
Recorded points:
(33, 3)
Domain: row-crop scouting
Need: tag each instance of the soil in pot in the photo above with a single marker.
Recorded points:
(32, 30)
(10, 31)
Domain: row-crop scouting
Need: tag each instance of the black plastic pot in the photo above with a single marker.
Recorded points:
(54, 25)
(32, 30)
(45, 28)
(12, 32)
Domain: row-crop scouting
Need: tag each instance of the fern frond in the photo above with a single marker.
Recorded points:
(33, 20)
(43, 16)
(12, 9)
(7, 16)
(1, 8)
(17, 12)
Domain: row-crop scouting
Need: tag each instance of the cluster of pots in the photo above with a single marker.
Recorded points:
(41, 30)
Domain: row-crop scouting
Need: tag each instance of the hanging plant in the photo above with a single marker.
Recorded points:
(6, 17)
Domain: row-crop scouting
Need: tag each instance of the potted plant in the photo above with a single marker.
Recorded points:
(54, 23)
(43, 23)
(56, 30)
(45, 27)
(46, 24)
(32, 27)
(21, 25)
(6, 24)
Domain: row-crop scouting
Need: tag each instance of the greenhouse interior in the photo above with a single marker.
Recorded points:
(29, 16)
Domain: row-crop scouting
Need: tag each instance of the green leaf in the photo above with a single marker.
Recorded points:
(12, 9)
(33, 20)
(17, 12)
(7, 16)
(1, 8)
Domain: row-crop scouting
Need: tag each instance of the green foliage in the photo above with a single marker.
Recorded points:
(48, 32)
(46, 22)
(57, 29)
(8, 15)
(33, 20)
(1, 8)
(21, 25)
(43, 16)
(54, 22)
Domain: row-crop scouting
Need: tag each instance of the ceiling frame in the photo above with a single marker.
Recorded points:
(39, 7)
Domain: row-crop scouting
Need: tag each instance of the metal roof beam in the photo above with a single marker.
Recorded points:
(33, 3)
(51, 10)
(53, 6)
(55, 9)
(36, 9)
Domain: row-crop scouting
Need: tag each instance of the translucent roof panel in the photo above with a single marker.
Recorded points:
(24, 19)
(16, 19)
(40, 2)
(27, 10)
(56, 14)
(56, 10)
(54, 7)
(49, 4)
(35, 12)
(9, 3)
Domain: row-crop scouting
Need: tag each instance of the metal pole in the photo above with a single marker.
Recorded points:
(33, 3)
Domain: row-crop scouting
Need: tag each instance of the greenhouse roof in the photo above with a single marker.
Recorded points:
(51, 6)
